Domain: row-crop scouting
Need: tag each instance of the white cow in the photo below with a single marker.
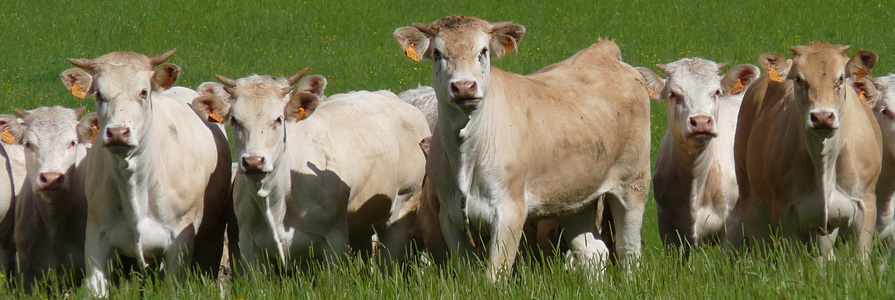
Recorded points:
(880, 92)
(316, 177)
(423, 98)
(695, 181)
(509, 147)
(158, 180)
(12, 175)
(51, 210)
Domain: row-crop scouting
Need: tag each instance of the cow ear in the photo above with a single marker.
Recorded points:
(301, 105)
(414, 42)
(654, 83)
(211, 108)
(87, 128)
(425, 145)
(867, 90)
(860, 64)
(215, 89)
(78, 82)
(11, 130)
(505, 36)
(164, 76)
(314, 84)
(739, 78)
(775, 65)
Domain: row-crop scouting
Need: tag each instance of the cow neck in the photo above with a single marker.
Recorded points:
(692, 166)
(823, 153)
(55, 211)
(276, 185)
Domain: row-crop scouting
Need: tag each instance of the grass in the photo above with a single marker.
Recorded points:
(351, 44)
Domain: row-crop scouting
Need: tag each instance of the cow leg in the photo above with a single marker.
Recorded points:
(824, 243)
(506, 234)
(867, 222)
(96, 256)
(251, 257)
(396, 239)
(455, 238)
(580, 231)
(627, 213)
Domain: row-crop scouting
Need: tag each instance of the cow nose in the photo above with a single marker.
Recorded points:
(253, 163)
(118, 134)
(464, 89)
(51, 180)
(822, 119)
(702, 124)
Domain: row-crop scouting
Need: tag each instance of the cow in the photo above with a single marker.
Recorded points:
(880, 94)
(694, 183)
(12, 175)
(423, 98)
(807, 152)
(508, 148)
(51, 210)
(316, 177)
(158, 177)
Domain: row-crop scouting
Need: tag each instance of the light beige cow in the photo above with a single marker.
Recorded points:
(158, 176)
(695, 183)
(808, 152)
(880, 94)
(51, 210)
(316, 177)
(423, 98)
(12, 175)
(508, 147)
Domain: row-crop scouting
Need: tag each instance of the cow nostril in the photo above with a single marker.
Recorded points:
(813, 118)
(109, 132)
(472, 87)
(125, 132)
(693, 122)
(454, 88)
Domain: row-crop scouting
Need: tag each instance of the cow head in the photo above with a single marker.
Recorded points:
(51, 140)
(123, 84)
(879, 93)
(259, 108)
(821, 76)
(461, 49)
(692, 91)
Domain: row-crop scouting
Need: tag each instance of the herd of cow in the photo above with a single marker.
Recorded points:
(463, 168)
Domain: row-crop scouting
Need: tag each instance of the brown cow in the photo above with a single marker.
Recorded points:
(807, 151)
(509, 147)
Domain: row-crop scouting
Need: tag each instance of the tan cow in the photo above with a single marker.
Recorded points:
(51, 210)
(808, 152)
(508, 147)
(880, 92)
(158, 178)
(316, 177)
(12, 175)
(695, 183)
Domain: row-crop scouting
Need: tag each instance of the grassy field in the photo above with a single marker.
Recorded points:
(351, 44)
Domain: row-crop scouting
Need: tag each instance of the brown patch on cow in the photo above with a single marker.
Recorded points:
(7, 137)
(78, 91)
(411, 52)
(773, 75)
(738, 87)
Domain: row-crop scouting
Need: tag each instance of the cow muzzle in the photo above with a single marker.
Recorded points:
(702, 126)
(118, 139)
(464, 93)
(822, 119)
(51, 181)
(253, 164)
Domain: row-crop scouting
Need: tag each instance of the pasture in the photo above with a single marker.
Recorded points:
(351, 44)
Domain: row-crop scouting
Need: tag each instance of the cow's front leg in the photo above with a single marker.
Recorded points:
(178, 254)
(96, 256)
(506, 233)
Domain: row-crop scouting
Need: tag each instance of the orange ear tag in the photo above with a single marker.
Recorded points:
(861, 73)
(215, 117)
(93, 135)
(302, 114)
(78, 91)
(410, 52)
(7, 137)
(862, 95)
(652, 94)
(773, 75)
(737, 88)
(508, 46)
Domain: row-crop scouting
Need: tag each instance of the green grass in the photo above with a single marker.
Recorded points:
(351, 44)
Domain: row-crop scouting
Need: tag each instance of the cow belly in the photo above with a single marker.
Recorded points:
(155, 238)
(840, 211)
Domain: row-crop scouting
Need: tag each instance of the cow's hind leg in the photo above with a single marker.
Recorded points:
(178, 254)
(96, 256)
(627, 214)
(586, 247)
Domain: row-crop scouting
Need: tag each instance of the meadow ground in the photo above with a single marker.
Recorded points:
(350, 43)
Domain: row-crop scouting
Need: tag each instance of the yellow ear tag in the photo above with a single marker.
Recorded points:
(7, 137)
(773, 75)
(216, 118)
(410, 52)
(302, 114)
(737, 88)
(861, 73)
(93, 135)
(862, 95)
(78, 91)
(652, 94)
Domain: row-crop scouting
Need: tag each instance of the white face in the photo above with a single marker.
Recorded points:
(692, 92)
(884, 110)
(51, 147)
(123, 102)
(461, 70)
(257, 122)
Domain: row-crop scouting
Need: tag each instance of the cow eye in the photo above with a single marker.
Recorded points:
(484, 53)
(235, 123)
(436, 55)
(143, 94)
(718, 93)
(674, 97)
(277, 122)
(840, 81)
(99, 97)
(28, 145)
(71, 144)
